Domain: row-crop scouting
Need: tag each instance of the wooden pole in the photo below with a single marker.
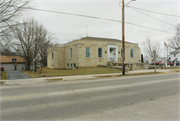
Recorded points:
(123, 38)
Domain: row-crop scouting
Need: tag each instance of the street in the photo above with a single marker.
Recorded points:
(155, 97)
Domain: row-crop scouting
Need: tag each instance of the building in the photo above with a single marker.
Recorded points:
(12, 63)
(174, 56)
(91, 52)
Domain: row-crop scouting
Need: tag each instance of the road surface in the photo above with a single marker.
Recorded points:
(148, 97)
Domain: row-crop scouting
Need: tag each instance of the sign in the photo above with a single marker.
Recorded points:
(14, 60)
(154, 54)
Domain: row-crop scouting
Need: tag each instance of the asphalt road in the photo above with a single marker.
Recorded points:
(74, 99)
(16, 75)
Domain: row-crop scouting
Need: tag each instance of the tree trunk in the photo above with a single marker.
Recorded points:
(35, 65)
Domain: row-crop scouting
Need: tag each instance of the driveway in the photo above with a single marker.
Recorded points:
(16, 75)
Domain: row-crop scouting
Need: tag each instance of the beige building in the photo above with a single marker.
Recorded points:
(91, 52)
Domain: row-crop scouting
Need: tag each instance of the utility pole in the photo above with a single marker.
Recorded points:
(123, 38)
(123, 35)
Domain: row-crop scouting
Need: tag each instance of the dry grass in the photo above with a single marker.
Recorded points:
(177, 67)
(81, 71)
(104, 76)
(4, 75)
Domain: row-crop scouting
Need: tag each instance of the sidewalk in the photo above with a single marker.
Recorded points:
(78, 77)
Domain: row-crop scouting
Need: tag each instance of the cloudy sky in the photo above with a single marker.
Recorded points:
(69, 27)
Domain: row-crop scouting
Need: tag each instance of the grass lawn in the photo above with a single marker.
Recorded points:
(4, 75)
(176, 67)
(81, 71)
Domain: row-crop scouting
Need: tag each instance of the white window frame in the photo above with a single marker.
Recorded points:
(101, 52)
(52, 55)
(132, 53)
(89, 52)
(70, 52)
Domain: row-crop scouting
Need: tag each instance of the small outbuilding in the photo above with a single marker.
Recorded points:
(12, 62)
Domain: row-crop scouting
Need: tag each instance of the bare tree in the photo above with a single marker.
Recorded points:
(29, 37)
(9, 11)
(6, 46)
(44, 46)
(150, 46)
(174, 42)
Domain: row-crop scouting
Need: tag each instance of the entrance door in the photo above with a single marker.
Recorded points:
(112, 54)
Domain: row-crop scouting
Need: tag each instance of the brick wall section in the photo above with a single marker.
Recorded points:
(74, 60)
(59, 57)
(8, 59)
(62, 53)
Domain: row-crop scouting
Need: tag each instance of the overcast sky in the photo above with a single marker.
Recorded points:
(68, 27)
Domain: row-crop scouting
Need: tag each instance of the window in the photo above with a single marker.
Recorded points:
(132, 53)
(74, 65)
(70, 52)
(52, 55)
(88, 52)
(174, 55)
(71, 66)
(67, 65)
(100, 52)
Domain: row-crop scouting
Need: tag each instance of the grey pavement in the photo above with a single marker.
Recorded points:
(12, 75)
(147, 97)
(29, 80)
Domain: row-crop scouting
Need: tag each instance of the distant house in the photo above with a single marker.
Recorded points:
(12, 63)
(91, 52)
(174, 55)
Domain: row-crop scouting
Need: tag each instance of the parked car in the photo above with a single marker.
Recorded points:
(2, 67)
(171, 63)
(157, 63)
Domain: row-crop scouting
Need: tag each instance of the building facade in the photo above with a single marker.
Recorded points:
(175, 56)
(91, 52)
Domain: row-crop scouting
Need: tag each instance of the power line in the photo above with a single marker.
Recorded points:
(153, 11)
(148, 28)
(74, 14)
(153, 17)
(97, 18)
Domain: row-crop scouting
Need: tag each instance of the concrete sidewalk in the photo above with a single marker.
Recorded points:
(79, 77)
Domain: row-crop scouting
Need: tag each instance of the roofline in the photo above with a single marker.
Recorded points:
(99, 38)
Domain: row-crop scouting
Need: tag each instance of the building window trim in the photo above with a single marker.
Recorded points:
(87, 54)
(100, 52)
(70, 52)
(132, 53)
